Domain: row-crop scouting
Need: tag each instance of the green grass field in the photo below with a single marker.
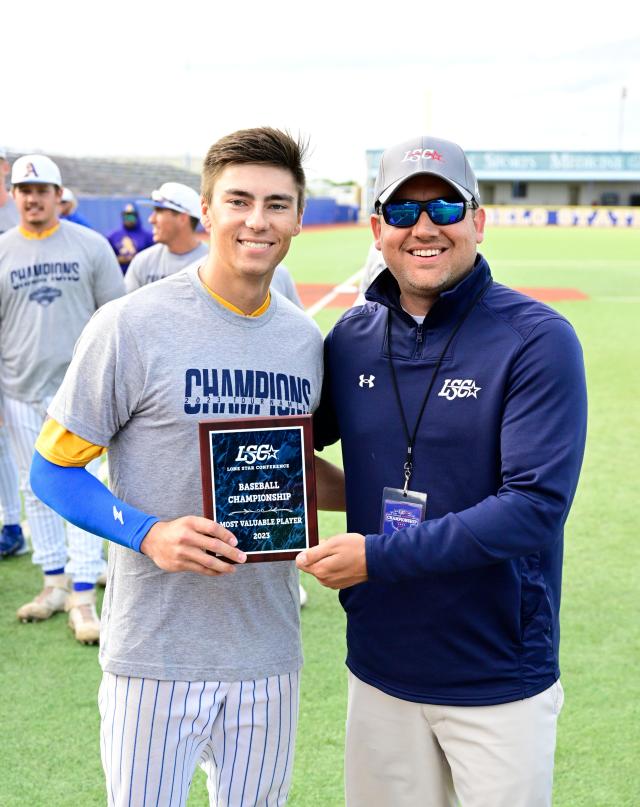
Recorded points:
(49, 747)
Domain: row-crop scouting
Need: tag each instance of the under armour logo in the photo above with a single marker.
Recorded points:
(117, 515)
(366, 382)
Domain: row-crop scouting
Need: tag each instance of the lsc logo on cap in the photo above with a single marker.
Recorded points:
(414, 155)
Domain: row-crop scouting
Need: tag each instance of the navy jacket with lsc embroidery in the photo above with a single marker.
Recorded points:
(464, 608)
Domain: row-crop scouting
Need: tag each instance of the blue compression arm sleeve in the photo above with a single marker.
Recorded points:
(86, 502)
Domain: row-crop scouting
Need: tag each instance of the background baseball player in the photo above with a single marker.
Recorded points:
(53, 276)
(201, 658)
(68, 208)
(175, 217)
(8, 212)
(131, 238)
(11, 539)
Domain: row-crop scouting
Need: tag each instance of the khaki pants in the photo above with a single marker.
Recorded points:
(405, 754)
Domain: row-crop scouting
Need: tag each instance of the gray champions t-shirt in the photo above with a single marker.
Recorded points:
(49, 289)
(158, 262)
(147, 369)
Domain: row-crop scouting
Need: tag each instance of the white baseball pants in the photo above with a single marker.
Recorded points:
(9, 493)
(154, 733)
(405, 754)
(85, 563)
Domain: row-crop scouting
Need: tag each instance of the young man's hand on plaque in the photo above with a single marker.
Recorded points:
(184, 545)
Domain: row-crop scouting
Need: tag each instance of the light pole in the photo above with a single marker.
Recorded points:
(623, 98)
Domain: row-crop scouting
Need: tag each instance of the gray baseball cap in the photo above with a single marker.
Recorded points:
(425, 155)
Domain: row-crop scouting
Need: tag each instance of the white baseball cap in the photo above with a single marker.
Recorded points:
(178, 197)
(37, 169)
(3, 153)
(67, 195)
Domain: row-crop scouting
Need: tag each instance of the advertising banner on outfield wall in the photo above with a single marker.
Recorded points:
(538, 216)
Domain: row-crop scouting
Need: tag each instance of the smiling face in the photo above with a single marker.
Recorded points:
(252, 217)
(427, 259)
(37, 205)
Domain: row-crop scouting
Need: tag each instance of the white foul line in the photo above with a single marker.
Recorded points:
(347, 287)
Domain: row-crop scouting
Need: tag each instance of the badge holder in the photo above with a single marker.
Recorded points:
(401, 509)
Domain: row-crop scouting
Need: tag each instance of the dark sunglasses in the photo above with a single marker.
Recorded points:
(405, 212)
(162, 200)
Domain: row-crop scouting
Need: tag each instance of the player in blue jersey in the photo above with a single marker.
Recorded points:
(461, 406)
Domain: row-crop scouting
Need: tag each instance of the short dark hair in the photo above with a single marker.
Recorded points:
(263, 146)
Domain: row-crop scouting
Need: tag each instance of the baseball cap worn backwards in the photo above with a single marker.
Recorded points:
(36, 169)
(178, 197)
(425, 155)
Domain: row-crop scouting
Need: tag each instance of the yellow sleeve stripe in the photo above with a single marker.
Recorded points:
(62, 447)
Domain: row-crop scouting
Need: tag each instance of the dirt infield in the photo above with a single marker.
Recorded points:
(310, 293)
(552, 294)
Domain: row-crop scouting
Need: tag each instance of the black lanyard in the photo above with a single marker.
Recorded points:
(411, 438)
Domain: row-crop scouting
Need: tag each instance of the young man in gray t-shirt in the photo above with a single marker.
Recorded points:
(201, 658)
(53, 276)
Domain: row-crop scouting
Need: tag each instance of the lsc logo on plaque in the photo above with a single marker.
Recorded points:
(258, 481)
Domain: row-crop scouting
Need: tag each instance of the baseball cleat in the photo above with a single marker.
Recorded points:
(51, 600)
(12, 541)
(83, 617)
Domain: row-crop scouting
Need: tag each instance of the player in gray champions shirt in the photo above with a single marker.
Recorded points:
(53, 277)
(175, 217)
(154, 464)
(200, 657)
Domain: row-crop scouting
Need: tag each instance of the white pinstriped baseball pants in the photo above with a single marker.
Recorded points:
(154, 733)
(85, 563)
(9, 493)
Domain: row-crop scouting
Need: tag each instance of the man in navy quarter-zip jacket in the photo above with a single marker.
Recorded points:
(451, 388)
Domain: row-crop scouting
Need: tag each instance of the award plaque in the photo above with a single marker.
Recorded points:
(258, 481)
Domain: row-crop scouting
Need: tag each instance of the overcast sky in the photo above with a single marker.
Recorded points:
(158, 78)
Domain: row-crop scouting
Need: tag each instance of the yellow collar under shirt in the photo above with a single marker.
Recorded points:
(39, 236)
(260, 310)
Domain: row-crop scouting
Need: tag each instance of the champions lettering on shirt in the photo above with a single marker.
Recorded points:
(59, 270)
(245, 392)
